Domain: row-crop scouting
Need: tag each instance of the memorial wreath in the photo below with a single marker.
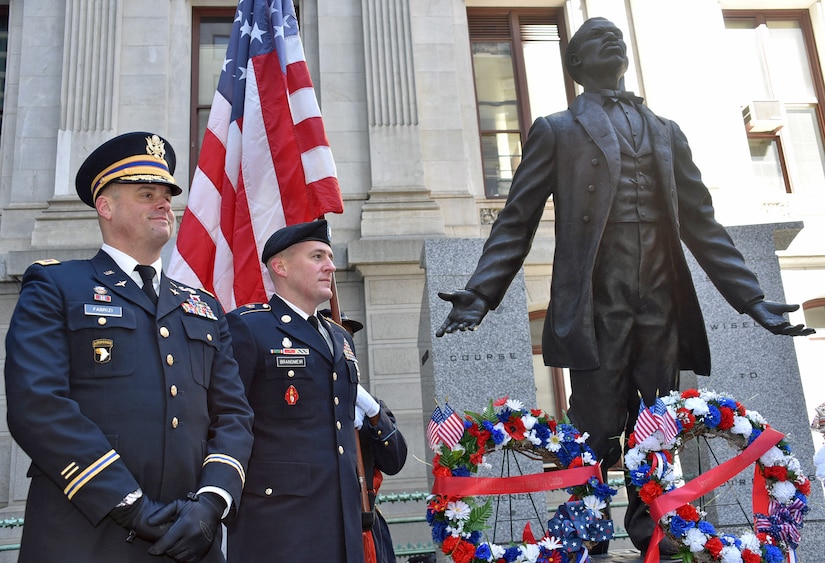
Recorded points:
(458, 518)
(780, 486)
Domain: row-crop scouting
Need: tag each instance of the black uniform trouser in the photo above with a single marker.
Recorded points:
(637, 341)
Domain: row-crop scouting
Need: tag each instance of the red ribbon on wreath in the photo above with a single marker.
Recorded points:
(709, 481)
(548, 481)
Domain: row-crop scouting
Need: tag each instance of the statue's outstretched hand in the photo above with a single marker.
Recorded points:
(468, 310)
(770, 314)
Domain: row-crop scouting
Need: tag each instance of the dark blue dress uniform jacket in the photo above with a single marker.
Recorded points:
(108, 396)
(301, 501)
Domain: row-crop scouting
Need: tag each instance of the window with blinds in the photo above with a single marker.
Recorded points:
(518, 72)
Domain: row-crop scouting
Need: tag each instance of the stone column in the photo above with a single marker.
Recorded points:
(399, 203)
(91, 41)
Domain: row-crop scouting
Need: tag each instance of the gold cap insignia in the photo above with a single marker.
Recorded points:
(155, 147)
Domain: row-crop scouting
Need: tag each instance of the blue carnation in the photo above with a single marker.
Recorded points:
(640, 475)
(430, 515)
(542, 431)
(772, 554)
(488, 426)
(474, 537)
(727, 539)
(713, 418)
(603, 491)
(679, 526)
(483, 552)
(468, 423)
(565, 455)
(498, 435)
(461, 471)
(727, 402)
(439, 531)
(504, 414)
(511, 554)
(707, 528)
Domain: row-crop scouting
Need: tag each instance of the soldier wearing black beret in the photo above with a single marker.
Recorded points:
(121, 386)
(301, 377)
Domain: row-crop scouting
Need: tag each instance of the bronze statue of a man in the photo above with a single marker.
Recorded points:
(623, 312)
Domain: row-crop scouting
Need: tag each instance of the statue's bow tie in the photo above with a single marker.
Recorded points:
(617, 95)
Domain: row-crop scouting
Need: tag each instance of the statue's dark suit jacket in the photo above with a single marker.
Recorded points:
(574, 157)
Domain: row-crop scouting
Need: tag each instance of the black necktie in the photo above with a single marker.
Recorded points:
(147, 274)
(313, 320)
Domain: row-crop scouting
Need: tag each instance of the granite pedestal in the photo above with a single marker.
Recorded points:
(471, 368)
(759, 370)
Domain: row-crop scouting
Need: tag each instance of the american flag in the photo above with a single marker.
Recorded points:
(265, 161)
(655, 418)
(432, 428)
(452, 428)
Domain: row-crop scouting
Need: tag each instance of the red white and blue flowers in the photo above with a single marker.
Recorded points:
(458, 523)
(707, 413)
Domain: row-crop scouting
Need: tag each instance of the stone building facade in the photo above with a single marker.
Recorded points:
(398, 91)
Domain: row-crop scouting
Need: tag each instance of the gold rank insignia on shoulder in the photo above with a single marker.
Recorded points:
(47, 262)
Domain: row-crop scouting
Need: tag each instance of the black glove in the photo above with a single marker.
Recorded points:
(196, 526)
(136, 518)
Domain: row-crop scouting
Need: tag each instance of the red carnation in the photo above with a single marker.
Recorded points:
(686, 418)
(477, 457)
(804, 487)
(464, 552)
(688, 512)
(726, 422)
(749, 556)
(577, 462)
(714, 546)
(551, 424)
(650, 491)
(778, 472)
(441, 471)
(449, 544)
(631, 440)
(537, 412)
(690, 393)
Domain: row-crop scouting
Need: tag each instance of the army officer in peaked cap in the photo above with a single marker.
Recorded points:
(301, 500)
(121, 384)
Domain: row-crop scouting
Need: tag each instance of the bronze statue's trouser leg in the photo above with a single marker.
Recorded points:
(637, 341)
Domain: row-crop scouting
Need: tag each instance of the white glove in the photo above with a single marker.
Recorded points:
(366, 403)
(359, 417)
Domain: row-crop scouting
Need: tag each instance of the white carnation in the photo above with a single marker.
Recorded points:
(773, 456)
(731, 555)
(742, 425)
(634, 458)
(652, 443)
(756, 417)
(697, 406)
(695, 540)
(529, 421)
(497, 551)
(582, 438)
(783, 491)
(533, 437)
(750, 541)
